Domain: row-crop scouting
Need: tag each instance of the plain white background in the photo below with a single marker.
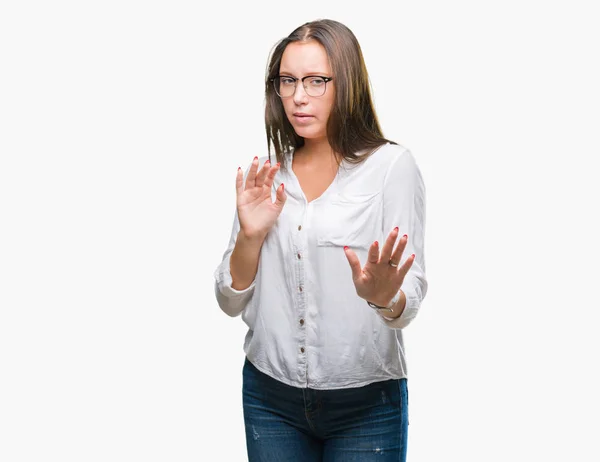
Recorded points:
(122, 124)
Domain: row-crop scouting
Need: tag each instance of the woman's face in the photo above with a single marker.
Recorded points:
(299, 60)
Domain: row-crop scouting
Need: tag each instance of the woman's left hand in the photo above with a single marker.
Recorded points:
(382, 276)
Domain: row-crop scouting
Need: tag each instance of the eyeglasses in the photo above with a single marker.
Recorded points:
(314, 85)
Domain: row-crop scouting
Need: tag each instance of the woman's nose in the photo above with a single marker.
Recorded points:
(300, 95)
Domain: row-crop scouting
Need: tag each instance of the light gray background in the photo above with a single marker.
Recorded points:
(122, 125)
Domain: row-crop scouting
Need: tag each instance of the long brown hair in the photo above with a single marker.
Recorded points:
(352, 126)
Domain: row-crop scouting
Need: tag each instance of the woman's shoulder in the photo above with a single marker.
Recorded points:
(388, 154)
(389, 151)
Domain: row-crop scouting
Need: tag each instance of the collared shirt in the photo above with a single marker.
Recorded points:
(307, 327)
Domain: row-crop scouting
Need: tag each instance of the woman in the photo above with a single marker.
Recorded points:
(325, 303)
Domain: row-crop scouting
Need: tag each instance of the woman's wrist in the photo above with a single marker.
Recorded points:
(393, 309)
(399, 306)
(251, 239)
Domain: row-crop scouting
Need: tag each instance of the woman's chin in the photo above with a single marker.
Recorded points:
(307, 132)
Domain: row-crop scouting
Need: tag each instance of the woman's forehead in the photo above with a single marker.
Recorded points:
(305, 58)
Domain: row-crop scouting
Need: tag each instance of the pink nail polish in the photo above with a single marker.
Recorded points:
(406, 235)
(396, 228)
(255, 157)
(376, 243)
(345, 247)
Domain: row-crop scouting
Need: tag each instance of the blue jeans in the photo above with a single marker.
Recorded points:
(285, 423)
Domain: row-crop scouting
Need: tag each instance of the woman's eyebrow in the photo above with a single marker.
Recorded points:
(308, 73)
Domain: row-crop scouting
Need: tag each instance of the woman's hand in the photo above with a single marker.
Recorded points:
(380, 280)
(257, 213)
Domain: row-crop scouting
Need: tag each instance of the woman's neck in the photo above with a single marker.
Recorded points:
(314, 151)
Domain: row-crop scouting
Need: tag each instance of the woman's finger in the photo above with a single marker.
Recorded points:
(262, 174)
(406, 266)
(399, 250)
(280, 196)
(239, 181)
(388, 246)
(271, 175)
(373, 256)
(251, 178)
(354, 263)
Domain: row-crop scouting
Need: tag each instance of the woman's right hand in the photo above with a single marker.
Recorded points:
(257, 213)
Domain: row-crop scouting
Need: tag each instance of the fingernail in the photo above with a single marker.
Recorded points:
(278, 164)
(282, 187)
(239, 168)
(406, 235)
(267, 161)
(376, 243)
(396, 228)
(345, 247)
(413, 255)
(255, 157)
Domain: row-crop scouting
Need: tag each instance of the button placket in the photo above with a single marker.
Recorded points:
(299, 255)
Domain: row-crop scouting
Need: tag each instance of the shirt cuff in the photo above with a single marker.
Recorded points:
(410, 312)
(225, 281)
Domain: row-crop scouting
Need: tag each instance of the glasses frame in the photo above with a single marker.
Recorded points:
(326, 79)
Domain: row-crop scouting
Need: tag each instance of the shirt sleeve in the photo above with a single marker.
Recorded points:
(404, 206)
(230, 300)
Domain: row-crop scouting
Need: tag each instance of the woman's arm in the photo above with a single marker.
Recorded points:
(235, 275)
(244, 260)
(404, 206)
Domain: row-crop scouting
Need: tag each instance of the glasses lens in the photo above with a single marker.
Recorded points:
(284, 86)
(315, 86)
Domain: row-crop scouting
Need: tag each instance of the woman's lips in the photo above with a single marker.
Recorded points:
(303, 118)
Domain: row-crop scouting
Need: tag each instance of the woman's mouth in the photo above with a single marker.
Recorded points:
(302, 118)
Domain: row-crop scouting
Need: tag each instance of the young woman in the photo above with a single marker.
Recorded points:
(325, 262)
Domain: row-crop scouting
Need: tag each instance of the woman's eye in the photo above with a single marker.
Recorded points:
(287, 81)
(317, 82)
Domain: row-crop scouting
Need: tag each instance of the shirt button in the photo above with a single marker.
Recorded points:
(302, 322)
(299, 227)
(302, 349)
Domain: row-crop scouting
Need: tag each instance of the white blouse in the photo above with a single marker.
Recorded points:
(307, 327)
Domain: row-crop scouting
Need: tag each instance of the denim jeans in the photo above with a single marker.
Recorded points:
(285, 423)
